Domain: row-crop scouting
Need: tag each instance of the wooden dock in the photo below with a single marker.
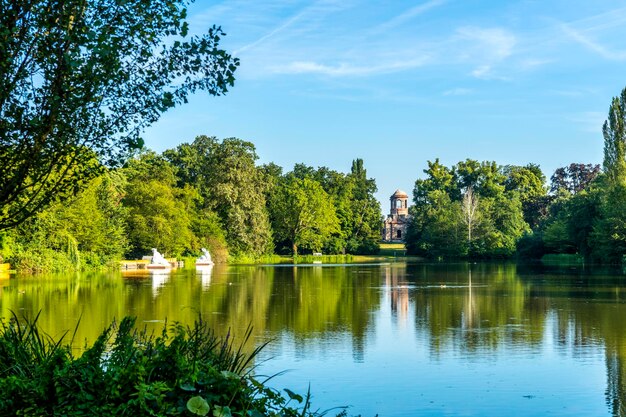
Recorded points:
(143, 264)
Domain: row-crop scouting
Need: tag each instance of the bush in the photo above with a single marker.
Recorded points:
(185, 371)
(42, 260)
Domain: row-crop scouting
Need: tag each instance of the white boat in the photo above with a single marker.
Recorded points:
(158, 263)
(205, 259)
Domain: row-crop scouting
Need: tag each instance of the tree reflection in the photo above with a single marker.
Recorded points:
(467, 309)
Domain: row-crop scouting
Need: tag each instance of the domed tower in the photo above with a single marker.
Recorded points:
(395, 225)
(399, 203)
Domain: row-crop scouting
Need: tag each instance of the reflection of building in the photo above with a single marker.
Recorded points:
(399, 291)
(394, 227)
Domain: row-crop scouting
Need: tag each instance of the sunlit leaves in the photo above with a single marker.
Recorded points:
(81, 78)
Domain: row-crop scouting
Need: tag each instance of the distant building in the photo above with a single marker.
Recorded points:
(395, 225)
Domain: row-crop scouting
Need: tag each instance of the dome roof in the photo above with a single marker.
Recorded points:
(399, 194)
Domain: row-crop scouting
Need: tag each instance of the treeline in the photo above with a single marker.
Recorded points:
(209, 193)
(484, 210)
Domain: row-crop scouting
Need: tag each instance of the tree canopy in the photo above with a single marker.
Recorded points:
(80, 80)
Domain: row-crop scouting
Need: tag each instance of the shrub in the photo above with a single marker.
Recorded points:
(185, 371)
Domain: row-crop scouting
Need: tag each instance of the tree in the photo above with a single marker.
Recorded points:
(469, 209)
(231, 185)
(450, 201)
(439, 177)
(614, 131)
(84, 231)
(365, 210)
(302, 213)
(573, 178)
(159, 213)
(81, 78)
(356, 207)
(529, 184)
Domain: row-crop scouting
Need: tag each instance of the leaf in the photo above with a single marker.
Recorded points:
(222, 411)
(230, 375)
(293, 395)
(254, 413)
(198, 406)
(187, 387)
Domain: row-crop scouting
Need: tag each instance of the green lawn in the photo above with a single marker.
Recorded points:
(392, 249)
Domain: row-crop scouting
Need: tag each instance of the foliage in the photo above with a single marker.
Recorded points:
(471, 209)
(302, 214)
(84, 232)
(529, 184)
(614, 131)
(573, 178)
(158, 212)
(607, 234)
(184, 371)
(230, 185)
(82, 79)
(352, 196)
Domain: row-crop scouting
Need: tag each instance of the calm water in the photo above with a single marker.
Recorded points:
(394, 339)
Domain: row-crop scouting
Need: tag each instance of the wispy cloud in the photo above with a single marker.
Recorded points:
(586, 41)
(458, 92)
(498, 43)
(345, 69)
(309, 13)
(281, 27)
(408, 15)
(487, 46)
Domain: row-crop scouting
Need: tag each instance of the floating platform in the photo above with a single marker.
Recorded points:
(143, 264)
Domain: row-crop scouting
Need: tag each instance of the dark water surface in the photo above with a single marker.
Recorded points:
(390, 339)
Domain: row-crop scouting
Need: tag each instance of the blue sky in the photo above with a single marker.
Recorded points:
(398, 83)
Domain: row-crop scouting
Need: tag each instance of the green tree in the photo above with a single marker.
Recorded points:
(465, 210)
(303, 214)
(614, 131)
(231, 185)
(605, 240)
(158, 211)
(529, 184)
(366, 214)
(356, 207)
(79, 78)
(85, 231)
(439, 177)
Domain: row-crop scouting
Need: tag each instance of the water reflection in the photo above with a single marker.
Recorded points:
(397, 339)
(204, 272)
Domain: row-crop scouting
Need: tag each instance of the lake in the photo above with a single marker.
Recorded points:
(393, 339)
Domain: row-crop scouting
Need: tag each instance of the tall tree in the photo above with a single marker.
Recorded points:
(231, 185)
(87, 230)
(157, 214)
(614, 131)
(79, 78)
(470, 212)
(366, 213)
(303, 214)
(529, 184)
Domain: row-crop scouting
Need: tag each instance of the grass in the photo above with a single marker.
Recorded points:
(392, 249)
